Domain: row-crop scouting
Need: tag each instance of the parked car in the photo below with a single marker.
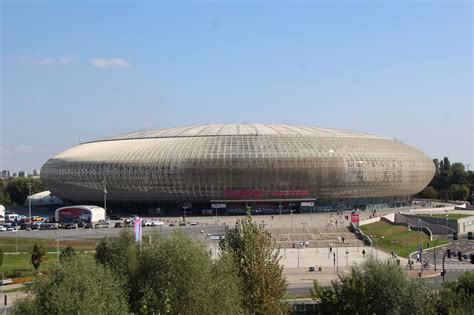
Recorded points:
(71, 226)
(88, 225)
(2, 228)
(102, 224)
(25, 226)
(119, 224)
(157, 223)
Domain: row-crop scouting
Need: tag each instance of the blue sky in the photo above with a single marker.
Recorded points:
(81, 70)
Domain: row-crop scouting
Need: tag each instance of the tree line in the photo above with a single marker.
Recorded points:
(164, 275)
(377, 287)
(450, 182)
(14, 191)
(175, 275)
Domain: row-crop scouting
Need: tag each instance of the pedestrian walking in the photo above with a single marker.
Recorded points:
(343, 239)
(330, 249)
(363, 253)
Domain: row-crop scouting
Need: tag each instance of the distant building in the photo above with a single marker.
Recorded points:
(22, 174)
(44, 198)
(6, 174)
(14, 175)
(36, 172)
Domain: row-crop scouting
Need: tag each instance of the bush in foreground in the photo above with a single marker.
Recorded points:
(374, 287)
(171, 275)
(80, 286)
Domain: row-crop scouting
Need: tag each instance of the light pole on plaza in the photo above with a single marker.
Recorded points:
(291, 213)
(447, 231)
(104, 183)
(29, 202)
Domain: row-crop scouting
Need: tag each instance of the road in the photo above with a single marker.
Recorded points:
(453, 264)
(434, 282)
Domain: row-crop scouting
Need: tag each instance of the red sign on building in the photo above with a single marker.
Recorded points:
(355, 217)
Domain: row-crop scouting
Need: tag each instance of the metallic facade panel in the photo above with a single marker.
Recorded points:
(238, 161)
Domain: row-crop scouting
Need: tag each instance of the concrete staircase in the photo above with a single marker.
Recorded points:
(316, 237)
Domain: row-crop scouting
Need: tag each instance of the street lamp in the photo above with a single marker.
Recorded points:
(104, 183)
(434, 253)
(291, 214)
(420, 246)
(447, 231)
(29, 202)
(184, 209)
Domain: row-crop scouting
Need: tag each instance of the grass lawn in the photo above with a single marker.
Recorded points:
(19, 265)
(453, 216)
(14, 244)
(396, 238)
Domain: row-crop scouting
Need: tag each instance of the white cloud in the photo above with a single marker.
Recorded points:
(109, 63)
(4, 151)
(23, 148)
(43, 62)
(48, 61)
(66, 60)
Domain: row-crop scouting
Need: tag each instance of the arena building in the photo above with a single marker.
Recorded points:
(232, 168)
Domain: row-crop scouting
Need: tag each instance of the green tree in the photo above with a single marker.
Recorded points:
(250, 247)
(458, 174)
(429, 193)
(120, 254)
(374, 287)
(171, 275)
(37, 256)
(80, 287)
(66, 253)
(458, 192)
(450, 182)
(1, 257)
(457, 297)
(18, 190)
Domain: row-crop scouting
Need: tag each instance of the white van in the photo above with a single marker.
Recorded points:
(12, 217)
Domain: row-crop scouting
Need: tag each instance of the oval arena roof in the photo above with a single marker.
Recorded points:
(238, 129)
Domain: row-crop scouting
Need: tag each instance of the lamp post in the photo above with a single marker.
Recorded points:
(420, 246)
(434, 253)
(104, 183)
(29, 202)
(447, 232)
(291, 214)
